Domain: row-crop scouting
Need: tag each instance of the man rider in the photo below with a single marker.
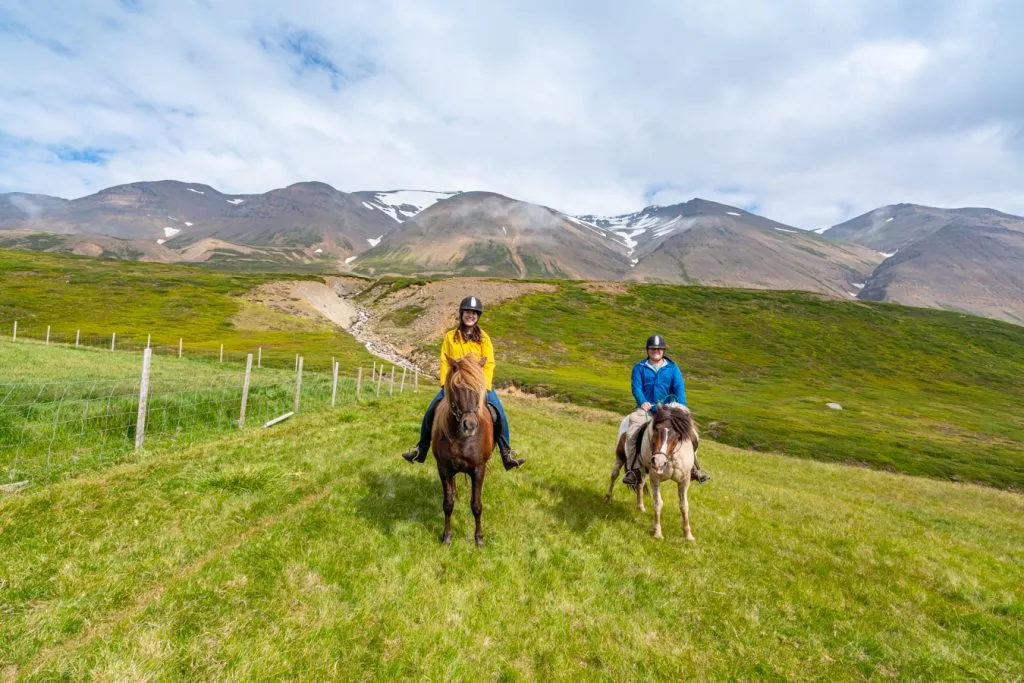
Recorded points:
(657, 380)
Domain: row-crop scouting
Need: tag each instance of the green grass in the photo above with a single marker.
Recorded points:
(309, 551)
(67, 411)
(133, 300)
(404, 316)
(924, 392)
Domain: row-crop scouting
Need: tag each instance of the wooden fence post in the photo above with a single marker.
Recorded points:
(113, 339)
(179, 347)
(417, 390)
(296, 362)
(334, 385)
(391, 387)
(47, 334)
(298, 382)
(245, 391)
(15, 337)
(259, 357)
(78, 333)
(149, 338)
(401, 387)
(140, 421)
(380, 376)
(373, 373)
(221, 353)
(359, 384)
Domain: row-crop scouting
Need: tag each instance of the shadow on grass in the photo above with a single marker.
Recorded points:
(579, 507)
(400, 497)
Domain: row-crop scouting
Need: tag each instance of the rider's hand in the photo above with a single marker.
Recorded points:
(646, 405)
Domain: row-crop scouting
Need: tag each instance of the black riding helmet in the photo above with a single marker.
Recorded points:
(471, 303)
(656, 341)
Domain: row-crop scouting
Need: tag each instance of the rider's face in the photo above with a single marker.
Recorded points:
(469, 318)
(655, 355)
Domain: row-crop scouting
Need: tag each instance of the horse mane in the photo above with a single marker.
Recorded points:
(466, 374)
(680, 420)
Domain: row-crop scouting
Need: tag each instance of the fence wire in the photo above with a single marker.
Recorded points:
(55, 429)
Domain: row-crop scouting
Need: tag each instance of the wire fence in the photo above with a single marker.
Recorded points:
(263, 356)
(55, 428)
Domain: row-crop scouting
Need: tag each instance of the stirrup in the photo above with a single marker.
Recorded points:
(631, 478)
(700, 475)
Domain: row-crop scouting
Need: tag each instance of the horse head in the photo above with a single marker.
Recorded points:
(465, 388)
(670, 427)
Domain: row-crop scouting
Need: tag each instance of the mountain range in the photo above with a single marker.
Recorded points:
(968, 259)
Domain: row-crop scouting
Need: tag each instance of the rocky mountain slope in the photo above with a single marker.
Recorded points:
(969, 259)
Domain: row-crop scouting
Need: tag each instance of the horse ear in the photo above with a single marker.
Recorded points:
(451, 361)
(483, 361)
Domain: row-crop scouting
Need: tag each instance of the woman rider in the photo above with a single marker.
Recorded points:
(466, 338)
(656, 380)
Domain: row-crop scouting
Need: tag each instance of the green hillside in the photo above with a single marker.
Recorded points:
(924, 392)
(133, 300)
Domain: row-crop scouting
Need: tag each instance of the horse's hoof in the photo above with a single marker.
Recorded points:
(479, 541)
(658, 536)
(607, 499)
(446, 539)
(689, 537)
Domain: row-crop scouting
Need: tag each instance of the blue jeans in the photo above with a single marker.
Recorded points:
(503, 437)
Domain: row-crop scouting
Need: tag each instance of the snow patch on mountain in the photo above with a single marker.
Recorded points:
(194, 190)
(236, 202)
(401, 205)
(374, 241)
(170, 232)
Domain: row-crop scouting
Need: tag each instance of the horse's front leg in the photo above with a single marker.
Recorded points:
(448, 489)
(656, 485)
(684, 506)
(477, 504)
(640, 493)
(615, 476)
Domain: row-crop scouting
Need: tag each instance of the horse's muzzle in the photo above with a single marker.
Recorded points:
(468, 425)
(658, 462)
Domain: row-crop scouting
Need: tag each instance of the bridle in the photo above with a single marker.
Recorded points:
(664, 442)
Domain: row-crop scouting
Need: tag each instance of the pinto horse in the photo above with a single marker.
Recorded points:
(462, 436)
(666, 453)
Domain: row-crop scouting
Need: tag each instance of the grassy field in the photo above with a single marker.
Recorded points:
(64, 411)
(309, 551)
(133, 300)
(924, 392)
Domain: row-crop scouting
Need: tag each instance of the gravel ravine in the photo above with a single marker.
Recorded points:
(334, 300)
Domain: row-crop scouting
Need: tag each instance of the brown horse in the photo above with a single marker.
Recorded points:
(462, 437)
(667, 448)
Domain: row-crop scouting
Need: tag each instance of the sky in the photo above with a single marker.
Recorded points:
(809, 112)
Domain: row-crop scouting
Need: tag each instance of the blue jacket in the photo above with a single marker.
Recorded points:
(654, 386)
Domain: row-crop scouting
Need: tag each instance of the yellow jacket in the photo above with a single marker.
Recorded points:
(456, 347)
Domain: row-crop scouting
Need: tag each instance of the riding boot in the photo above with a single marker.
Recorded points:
(697, 473)
(508, 459)
(415, 454)
(631, 478)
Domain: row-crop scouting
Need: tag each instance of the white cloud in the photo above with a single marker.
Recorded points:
(811, 111)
